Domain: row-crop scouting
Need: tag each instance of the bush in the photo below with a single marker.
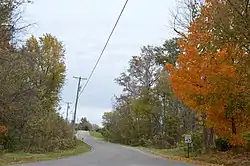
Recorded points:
(11, 140)
(3, 134)
(246, 136)
(222, 144)
(45, 133)
(99, 130)
(197, 142)
(161, 142)
(196, 145)
(51, 145)
(134, 142)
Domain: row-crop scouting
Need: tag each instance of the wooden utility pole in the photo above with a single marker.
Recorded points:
(77, 97)
(67, 113)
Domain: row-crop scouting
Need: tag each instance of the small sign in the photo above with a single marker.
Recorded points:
(188, 139)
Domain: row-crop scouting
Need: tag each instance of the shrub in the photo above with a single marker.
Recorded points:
(11, 140)
(222, 144)
(197, 142)
(99, 130)
(196, 145)
(161, 142)
(3, 134)
(141, 142)
(47, 133)
(246, 136)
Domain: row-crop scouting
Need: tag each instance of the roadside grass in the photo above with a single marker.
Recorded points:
(227, 158)
(177, 154)
(21, 157)
(170, 152)
(213, 158)
(97, 135)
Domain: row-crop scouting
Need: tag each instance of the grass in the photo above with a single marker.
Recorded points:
(96, 135)
(215, 158)
(170, 152)
(226, 158)
(21, 157)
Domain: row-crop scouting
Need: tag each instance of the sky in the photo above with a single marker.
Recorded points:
(83, 26)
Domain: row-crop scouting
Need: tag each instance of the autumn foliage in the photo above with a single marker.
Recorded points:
(3, 132)
(210, 79)
(3, 129)
(32, 75)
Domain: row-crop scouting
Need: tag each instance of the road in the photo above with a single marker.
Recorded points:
(108, 154)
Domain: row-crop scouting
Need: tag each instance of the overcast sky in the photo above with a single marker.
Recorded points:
(83, 26)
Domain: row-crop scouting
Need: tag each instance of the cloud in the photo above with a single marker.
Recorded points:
(83, 27)
(93, 114)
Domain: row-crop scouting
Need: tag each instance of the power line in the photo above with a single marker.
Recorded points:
(104, 47)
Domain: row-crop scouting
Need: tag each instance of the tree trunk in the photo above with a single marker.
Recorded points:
(211, 141)
(205, 138)
(164, 114)
(233, 126)
(205, 134)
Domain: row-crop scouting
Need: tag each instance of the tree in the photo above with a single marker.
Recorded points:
(138, 82)
(10, 17)
(186, 13)
(208, 81)
(18, 94)
(147, 113)
(51, 65)
(168, 53)
(32, 79)
(142, 72)
(95, 127)
(235, 28)
(84, 125)
(173, 107)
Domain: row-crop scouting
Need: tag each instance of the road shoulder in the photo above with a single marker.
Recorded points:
(20, 157)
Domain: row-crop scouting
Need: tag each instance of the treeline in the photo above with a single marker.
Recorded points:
(84, 124)
(31, 76)
(147, 113)
(197, 83)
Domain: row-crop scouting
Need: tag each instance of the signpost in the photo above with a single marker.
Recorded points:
(188, 141)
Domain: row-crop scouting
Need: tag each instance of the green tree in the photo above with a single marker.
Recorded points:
(168, 53)
(147, 113)
(32, 79)
(10, 17)
(84, 125)
(50, 63)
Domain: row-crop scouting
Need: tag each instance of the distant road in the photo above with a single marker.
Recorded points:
(107, 154)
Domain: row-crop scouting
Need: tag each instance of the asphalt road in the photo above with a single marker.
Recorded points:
(108, 154)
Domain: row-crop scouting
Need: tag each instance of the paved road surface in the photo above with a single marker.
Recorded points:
(107, 154)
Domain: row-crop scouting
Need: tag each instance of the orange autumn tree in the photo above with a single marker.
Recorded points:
(206, 78)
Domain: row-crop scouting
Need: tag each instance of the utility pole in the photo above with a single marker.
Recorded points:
(67, 113)
(77, 97)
